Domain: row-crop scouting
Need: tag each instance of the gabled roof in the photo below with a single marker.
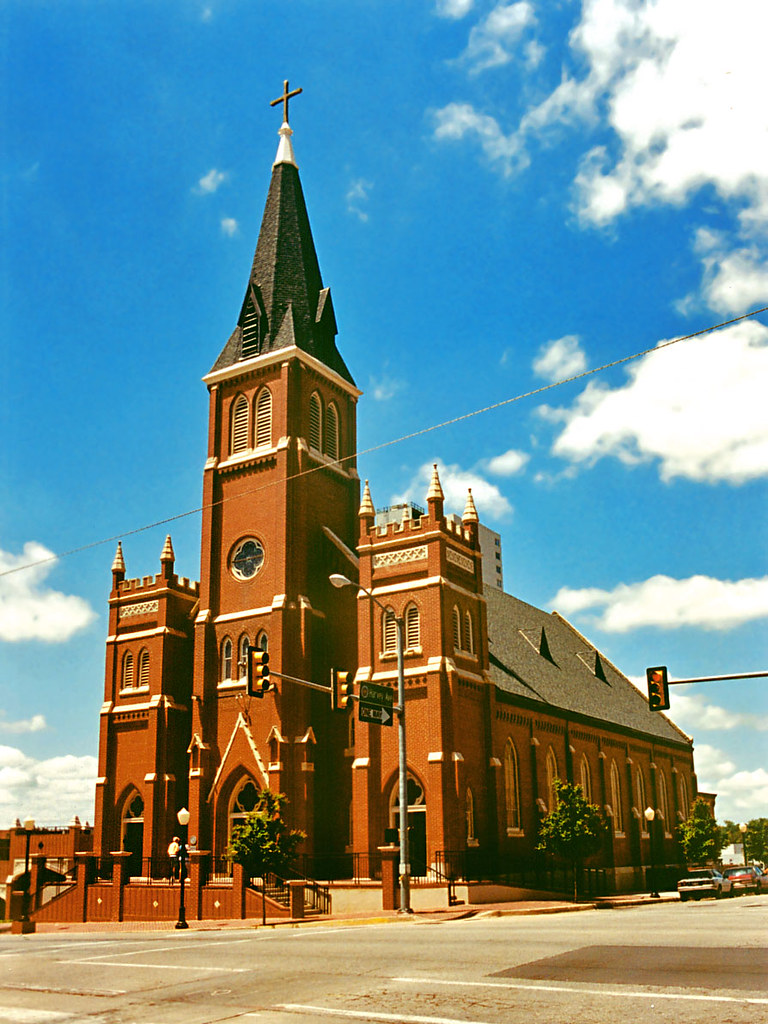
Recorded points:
(285, 302)
(540, 656)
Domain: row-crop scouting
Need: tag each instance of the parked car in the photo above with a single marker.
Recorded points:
(747, 879)
(704, 882)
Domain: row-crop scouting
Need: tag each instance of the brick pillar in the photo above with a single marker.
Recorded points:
(85, 864)
(119, 878)
(36, 873)
(390, 882)
(239, 882)
(197, 866)
(297, 898)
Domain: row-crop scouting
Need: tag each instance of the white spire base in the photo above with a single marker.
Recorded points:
(285, 154)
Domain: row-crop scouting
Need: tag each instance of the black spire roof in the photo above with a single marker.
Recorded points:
(285, 302)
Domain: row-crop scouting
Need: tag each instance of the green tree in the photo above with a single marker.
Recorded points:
(264, 842)
(700, 836)
(573, 830)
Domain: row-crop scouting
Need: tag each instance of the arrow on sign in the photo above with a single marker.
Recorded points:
(375, 714)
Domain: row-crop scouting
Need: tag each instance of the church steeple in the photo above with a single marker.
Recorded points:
(285, 303)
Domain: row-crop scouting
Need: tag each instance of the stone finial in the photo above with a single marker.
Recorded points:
(366, 504)
(285, 154)
(167, 554)
(435, 491)
(118, 564)
(470, 512)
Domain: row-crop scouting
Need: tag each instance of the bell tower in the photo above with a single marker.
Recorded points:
(280, 500)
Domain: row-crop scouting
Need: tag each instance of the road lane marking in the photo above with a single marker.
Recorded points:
(57, 990)
(627, 993)
(401, 1018)
(148, 949)
(157, 967)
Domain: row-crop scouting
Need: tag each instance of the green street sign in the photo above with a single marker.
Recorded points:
(375, 704)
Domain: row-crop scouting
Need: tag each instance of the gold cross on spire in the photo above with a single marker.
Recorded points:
(284, 99)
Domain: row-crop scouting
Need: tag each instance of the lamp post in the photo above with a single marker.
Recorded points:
(649, 814)
(29, 825)
(183, 819)
(743, 829)
(405, 868)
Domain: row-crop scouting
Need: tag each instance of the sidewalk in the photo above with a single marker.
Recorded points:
(435, 915)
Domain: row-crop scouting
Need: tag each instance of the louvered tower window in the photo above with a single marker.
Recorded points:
(332, 431)
(251, 331)
(128, 672)
(240, 425)
(469, 634)
(412, 627)
(144, 668)
(456, 628)
(389, 630)
(315, 422)
(264, 418)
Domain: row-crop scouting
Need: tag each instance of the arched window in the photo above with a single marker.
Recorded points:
(127, 683)
(412, 627)
(661, 784)
(456, 628)
(585, 775)
(389, 631)
(332, 431)
(264, 418)
(685, 802)
(469, 633)
(618, 816)
(251, 328)
(315, 422)
(552, 776)
(240, 425)
(132, 832)
(640, 794)
(511, 786)
(144, 668)
(470, 815)
(243, 802)
(242, 657)
(262, 641)
(226, 660)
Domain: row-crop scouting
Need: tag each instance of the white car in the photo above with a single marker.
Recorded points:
(703, 882)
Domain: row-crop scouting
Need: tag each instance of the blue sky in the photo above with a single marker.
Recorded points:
(502, 195)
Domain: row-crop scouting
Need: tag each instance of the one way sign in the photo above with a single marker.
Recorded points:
(369, 713)
(375, 704)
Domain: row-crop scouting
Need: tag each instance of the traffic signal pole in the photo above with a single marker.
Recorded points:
(659, 682)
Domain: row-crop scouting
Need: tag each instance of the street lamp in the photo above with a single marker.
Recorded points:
(649, 814)
(743, 830)
(29, 825)
(405, 868)
(183, 819)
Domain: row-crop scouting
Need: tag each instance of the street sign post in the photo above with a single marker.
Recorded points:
(376, 704)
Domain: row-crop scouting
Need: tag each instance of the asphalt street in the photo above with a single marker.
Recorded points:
(674, 962)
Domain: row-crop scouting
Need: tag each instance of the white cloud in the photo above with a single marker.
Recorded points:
(735, 279)
(211, 181)
(229, 226)
(666, 603)
(454, 8)
(740, 794)
(508, 463)
(493, 40)
(459, 120)
(698, 407)
(455, 481)
(694, 712)
(51, 791)
(357, 196)
(30, 611)
(383, 388)
(560, 359)
(34, 724)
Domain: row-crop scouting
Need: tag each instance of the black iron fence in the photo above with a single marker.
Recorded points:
(477, 865)
(347, 867)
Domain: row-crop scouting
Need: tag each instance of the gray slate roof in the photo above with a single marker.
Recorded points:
(554, 675)
(285, 283)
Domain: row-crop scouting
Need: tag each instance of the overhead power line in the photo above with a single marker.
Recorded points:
(393, 441)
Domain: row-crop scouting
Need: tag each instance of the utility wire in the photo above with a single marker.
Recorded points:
(397, 440)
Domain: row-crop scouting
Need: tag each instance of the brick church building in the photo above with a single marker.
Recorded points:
(502, 698)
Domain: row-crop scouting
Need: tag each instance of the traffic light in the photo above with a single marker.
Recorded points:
(342, 690)
(658, 688)
(258, 672)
